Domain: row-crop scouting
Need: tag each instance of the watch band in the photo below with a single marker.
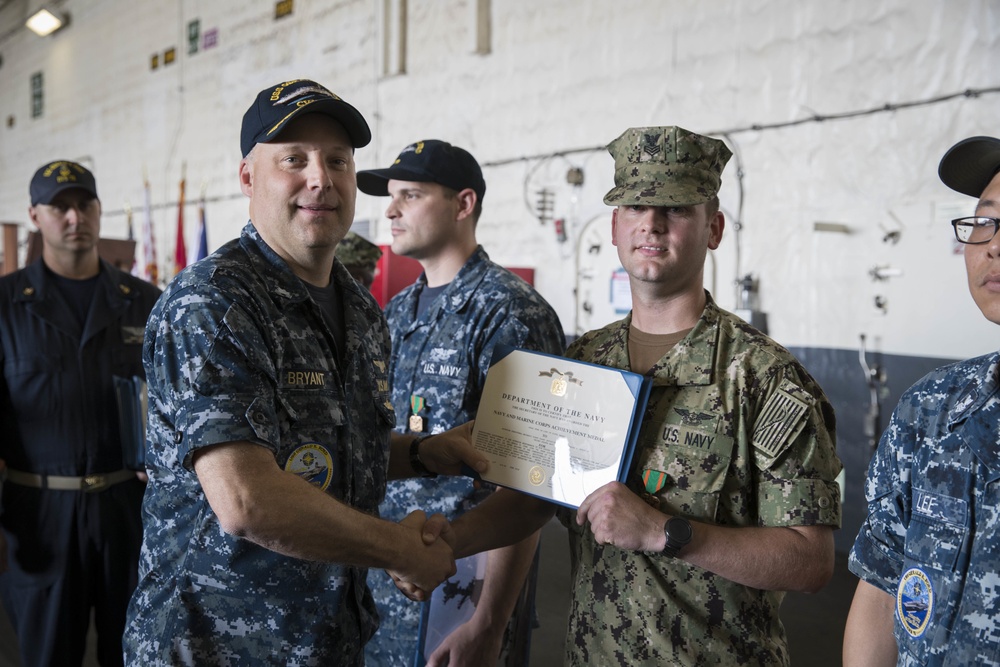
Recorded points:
(670, 551)
(415, 462)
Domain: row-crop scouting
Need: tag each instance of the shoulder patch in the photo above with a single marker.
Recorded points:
(313, 463)
(781, 420)
(915, 601)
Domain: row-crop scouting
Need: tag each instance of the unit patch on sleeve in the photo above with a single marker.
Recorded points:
(915, 601)
(781, 420)
(313, 463)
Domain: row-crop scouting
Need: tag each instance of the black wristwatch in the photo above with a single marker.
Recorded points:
(678, 532)
(415, 462)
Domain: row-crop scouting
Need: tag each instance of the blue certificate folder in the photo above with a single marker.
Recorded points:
(557, 428)
(130, 393)
(562, 385)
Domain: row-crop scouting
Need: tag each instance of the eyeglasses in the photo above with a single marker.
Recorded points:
(975, 229)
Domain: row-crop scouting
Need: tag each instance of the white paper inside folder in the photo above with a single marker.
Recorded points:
(557, 428)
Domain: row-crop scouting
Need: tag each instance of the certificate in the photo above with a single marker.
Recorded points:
(556, 428)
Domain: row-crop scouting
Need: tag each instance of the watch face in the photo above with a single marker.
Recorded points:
(679, 530)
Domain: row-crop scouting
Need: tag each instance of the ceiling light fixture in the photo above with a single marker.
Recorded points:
(43, 22)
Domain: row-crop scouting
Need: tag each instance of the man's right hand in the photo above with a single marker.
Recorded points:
(429, 563)
(446, 453)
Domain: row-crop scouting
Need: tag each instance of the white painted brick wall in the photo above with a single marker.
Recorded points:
(563, 75)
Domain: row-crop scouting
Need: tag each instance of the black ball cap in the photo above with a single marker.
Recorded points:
(970, 165)
(57, 176)
(427, 161)
(277, 105)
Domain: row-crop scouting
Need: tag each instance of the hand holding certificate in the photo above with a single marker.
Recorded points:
(556, 428)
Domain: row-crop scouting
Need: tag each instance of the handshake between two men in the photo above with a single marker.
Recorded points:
(616, 515)
(503, 519)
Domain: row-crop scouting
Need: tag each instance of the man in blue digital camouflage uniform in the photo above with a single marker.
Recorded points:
(69, 323)
(269, 422)
(444, 329)
(928, 555)
(731, 498)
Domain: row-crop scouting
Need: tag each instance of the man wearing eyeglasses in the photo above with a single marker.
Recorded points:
(927, 554)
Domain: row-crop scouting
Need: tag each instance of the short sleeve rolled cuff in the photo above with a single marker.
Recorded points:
(930, 537)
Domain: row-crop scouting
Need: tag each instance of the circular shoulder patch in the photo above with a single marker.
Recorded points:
(313, 463)
(915, 601)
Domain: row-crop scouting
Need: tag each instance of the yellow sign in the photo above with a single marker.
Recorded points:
(283, 8)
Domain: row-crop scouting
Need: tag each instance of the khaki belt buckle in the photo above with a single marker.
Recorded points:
(94, 483)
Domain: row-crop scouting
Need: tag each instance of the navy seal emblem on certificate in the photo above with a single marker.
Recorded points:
(557, 428)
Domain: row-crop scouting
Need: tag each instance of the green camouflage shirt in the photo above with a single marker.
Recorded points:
(735, 433)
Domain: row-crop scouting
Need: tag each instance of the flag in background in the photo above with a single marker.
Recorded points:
(180, 250)
(134, 269)
(149, 271)
(202, 251)
(128, 221)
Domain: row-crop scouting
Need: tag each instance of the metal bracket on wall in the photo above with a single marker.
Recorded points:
(882, 273)
(877, 382)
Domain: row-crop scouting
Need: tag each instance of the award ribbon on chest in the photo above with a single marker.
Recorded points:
(653, 481)
(416, 406)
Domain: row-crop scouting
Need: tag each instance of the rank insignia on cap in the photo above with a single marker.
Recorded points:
(651, 147)
(313, 463)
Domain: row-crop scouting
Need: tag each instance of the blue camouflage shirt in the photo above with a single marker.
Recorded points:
(236, 350)
(931, 536)
(443, 357)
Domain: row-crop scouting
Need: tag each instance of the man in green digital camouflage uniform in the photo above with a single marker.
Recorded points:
(731, 499)
(360, 257)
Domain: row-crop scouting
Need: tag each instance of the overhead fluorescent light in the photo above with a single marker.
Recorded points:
(44, 22)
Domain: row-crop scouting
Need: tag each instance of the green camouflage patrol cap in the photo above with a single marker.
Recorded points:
(356, 250)
(665, 166)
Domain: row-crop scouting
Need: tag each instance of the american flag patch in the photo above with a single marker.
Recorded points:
(781, 420)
